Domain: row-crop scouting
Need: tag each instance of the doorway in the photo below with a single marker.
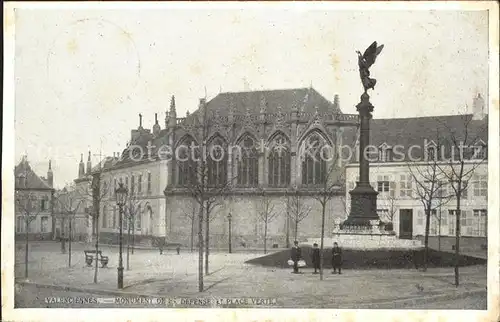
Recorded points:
(405, 223)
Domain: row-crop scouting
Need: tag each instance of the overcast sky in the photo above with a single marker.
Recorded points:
(82, 77)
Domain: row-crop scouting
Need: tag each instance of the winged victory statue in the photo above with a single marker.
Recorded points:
(365, 61)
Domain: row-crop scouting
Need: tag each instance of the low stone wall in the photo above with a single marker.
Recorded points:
(34, 236)
(469, 244)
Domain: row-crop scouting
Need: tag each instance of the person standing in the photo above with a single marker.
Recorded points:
(336, 258)
(296, 255)
(315, 258)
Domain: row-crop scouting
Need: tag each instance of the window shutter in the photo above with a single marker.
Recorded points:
(392, 188)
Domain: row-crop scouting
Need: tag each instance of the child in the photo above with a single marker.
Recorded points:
(315, 258)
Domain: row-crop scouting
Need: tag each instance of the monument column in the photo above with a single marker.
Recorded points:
(363, 197)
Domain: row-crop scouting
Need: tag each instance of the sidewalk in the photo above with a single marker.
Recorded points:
(174, 275)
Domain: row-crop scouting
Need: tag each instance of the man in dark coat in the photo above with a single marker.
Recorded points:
(296, 256)
(315, 258)
(336, 258)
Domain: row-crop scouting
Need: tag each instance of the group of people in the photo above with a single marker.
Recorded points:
(296, 256)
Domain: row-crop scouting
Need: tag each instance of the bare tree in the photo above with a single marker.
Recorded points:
(430, 182)
(464, 157)
(132, 209)
(390, 203)
(190, 213)
(330, 185)
(68, 202)
(98, 191)
(266, 213)
(206, 180)
(298, 211)
(28, 205)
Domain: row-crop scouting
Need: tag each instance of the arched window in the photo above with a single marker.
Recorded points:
(138, 218)
(279, 163)
(187, 166)
(314, 160)
(217, 162)
(248, 165)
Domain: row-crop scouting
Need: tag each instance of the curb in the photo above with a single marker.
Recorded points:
(408, 302)
(86, 289)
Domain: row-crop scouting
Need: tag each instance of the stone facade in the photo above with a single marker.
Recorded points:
(34, 203)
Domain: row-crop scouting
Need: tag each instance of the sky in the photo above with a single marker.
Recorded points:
(83, 76)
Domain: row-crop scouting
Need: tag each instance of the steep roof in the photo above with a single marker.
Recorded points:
(305, 98)
(33, 181)
(417, 131)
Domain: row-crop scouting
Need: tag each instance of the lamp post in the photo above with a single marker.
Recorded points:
(229, 219)
(121, 195)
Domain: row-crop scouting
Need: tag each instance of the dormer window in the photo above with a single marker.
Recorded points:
(480, 151)
(384, 153)
(431, 151)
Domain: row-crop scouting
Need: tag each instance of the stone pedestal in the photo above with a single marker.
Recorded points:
(367, 236)
(363, 206)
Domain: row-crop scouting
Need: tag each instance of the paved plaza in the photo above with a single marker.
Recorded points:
(172, 275)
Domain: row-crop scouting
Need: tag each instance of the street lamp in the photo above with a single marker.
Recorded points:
(229, 219)
(121, 196)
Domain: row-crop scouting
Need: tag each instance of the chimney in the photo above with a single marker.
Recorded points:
(81, 167)
(50, 175)
(336, 103)
(156, 127)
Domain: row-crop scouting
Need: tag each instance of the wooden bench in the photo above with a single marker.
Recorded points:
(89, 257)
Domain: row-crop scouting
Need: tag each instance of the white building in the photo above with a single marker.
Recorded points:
(397, 175)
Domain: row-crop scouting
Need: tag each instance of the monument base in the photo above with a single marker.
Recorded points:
(363, 206)
(366, 237)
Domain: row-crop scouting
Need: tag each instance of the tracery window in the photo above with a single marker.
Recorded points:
(217, 162)
(279, 163)
(248, 165)
(187, 166)
(314, 158)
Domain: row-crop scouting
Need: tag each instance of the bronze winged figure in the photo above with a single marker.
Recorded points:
(365, 61)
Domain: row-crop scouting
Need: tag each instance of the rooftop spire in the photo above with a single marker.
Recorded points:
(140, 120)
(172, 104)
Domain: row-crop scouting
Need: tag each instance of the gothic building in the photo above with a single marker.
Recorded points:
(258, 141)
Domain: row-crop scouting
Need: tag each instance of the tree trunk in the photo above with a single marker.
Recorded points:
(439, 231)
(26, 249)
(207, 240)
(265, 236)
(192, 233)
(200, 249)
(457, 242)
(322, 240)
(296, 230)
(70, 238)
(133, 236)
(287, 230)
(96, 248)
(426, 237)
(128, 245)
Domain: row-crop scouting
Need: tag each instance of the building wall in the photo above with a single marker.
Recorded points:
(152, 203)
(475, 200)
(41, 226)
(247, 226)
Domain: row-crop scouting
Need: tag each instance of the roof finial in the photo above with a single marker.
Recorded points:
(50, 164)
(156, 118)
(140, 120)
